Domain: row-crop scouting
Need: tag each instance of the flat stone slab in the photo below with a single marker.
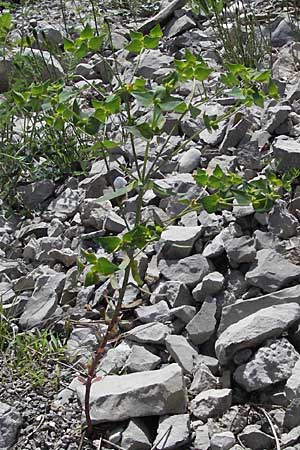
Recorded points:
(243, 308)
(255, 329)
(149, 393)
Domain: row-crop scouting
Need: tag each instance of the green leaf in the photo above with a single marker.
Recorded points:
(273, 89)
(109, 243)
(95, 43)
(113, 104)
(156, 32)
(170, 103)
(201, 177)
(202, 73)
(105, 267)
(90, 257)
(144, 99)
(118, 193)
(210, 203)
(87, 33)
(68, 45)
(218, 172)
(135, 273)
(91, 279)
(135, 46)
(143, 131)
(263, 77)
(81, 51)
(92, 126)
(109, 144)
(242, 198)
(151, 42)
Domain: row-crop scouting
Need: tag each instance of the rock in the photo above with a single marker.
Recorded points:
(101, 216)
(48, 35)
(203, 380)
(159, 312)
(152, 61)
(10, 423)
(279, 114)
(37, 229)
(203, 325)
(65, 256)
(173, 432)
(189, 161)
(82, 343)
(94, 186)
(209, 286)
(222, 441)
(292, 414)
(136, 436)
(202, 440)
(272, 363)
(252, 437)
(281, 222)
(240, 250)
(243, 308)
(185, 313)
(182, 352)
(32, 195)
(115, 359)
(292, 387)
(66, 204)
(149, 393)
(150, 333)
(44, 301)
(174, 293)
(236, 130)
(141, 359)
(211, 403)
(190, 270)
(287, 151)
(216, 247)
(255, 329)
(162, 16)
(293, 93)
(291, 438)
(178, 241)
(283, 33)
(271, 271)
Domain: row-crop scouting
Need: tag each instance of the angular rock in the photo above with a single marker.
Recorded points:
(150, 333)
(292, 387)
(281, 222)
(190, 160)
(173, 432)
(203, 380)
(203, 325)
(272, 363)
(141, 359)
(211, 403)
(152, 61)
(190, 270)
(287, 151)
(292, 414)
(174, 293)
(10, 423)
(222, 441)
(44, 301)
(182, 352)
(243, 308)
(279, 114)
(271, 271)
(185, 313)
(159, 312)
(252, 437)
(255, 329)
(291, 438)
(149, 393)
(209, 286)
(178, 241)
(240, 250)
(32, 195)
(162, 16)
(66, 204)
(136, 436)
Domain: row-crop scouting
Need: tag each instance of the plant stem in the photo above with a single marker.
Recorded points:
(100, 350)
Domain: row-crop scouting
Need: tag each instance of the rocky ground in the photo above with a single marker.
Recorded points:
(209, 358)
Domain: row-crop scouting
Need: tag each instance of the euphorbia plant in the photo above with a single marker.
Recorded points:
(220, 189)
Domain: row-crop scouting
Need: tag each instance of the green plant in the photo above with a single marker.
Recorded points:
(237, 29)
(28, 355)
(142, 109)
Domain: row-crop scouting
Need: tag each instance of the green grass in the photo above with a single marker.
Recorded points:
(28, 355)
